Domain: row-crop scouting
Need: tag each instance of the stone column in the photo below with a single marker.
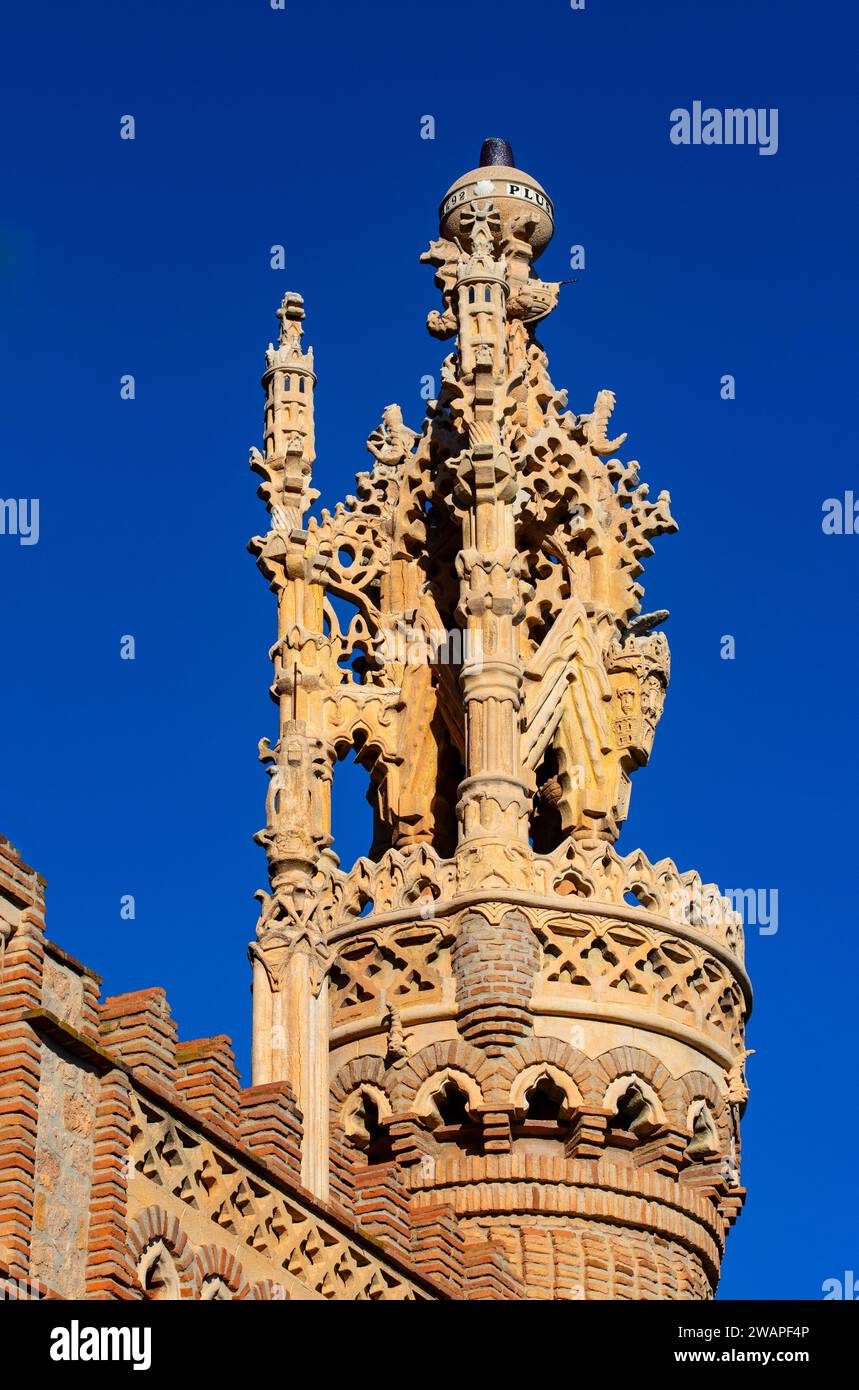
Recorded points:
(290, 954)
(493, 798)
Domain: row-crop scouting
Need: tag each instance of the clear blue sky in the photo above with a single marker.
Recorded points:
(301, 127)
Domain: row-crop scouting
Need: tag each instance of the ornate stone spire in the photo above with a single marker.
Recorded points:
(286, 464)
(492, 983)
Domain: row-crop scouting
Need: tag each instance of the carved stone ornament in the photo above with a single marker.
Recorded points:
(539, 1032)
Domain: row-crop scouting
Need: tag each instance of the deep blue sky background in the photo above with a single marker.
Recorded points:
(301, 127)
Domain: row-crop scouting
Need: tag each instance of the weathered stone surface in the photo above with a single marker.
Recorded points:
(64, 1145)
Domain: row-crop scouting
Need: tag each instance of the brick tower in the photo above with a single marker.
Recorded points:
(519, 1055)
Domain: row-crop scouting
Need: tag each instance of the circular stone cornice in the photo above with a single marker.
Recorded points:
(558, 906)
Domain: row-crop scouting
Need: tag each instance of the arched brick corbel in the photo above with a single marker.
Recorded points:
(406, 1080)
(153, 1226)
(623, 1061)
(213, 1262)
(497, 1074)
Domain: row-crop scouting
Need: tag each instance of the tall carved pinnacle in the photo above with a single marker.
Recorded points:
(490, 980)
(286, 463)
(507, 533)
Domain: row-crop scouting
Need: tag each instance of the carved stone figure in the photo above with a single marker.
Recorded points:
(737, 1087)
(393, 441)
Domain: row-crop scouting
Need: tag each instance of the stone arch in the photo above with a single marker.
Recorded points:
(696, 1086)
(355, 1138)
(214, 1289)
(705, 1143)
(353, 1074)
(352, 1101)
(406, 1080)
(371, 752)
(540, 1071)
(161, 1255)
(699, 1085)
(622, 1084)
(218, 1269)
(158, 1274)
(437, 1082)
(363, 739)
(497, 1075)
(623, 1061)
(360, 1123)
